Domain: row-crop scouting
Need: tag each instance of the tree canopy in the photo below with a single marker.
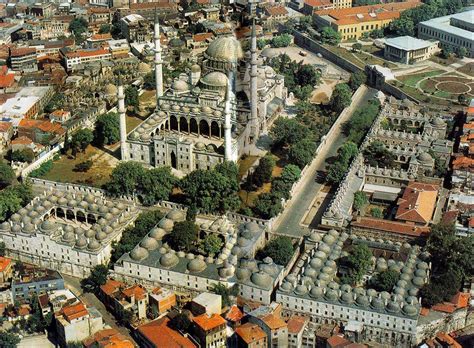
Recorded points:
(385, 281)
(107, 129)
(211, 244)
(78, 26)
(330, 36)
(131, 96)
(7, 175)
(280, 249)
(267, 205)
(357, 264)
(24, 155)
(376, 154)
(262, 173)
(341, 97)
(225, 292)
(302, 152)
(288, 131)
(360, 200)
(81, 139)
(97, 278)
(357, 79)
(356, 128)
(13, 198)
(184, 236)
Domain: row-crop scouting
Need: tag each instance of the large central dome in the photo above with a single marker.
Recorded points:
(224, 49)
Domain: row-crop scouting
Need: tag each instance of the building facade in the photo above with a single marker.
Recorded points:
(409, 50)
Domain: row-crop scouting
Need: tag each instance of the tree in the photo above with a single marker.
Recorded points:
(125, 178)
(225, 292)
(302, 152)
(24, 155)
(361, 121)
(3, 249)
(283, 40)
(263, 172)
(97, 278)
(461, 52)
(357, 46)
(131, 96)
(125, 317)
(78, 26)
(105, 28)
(180, 322)
(286, 131)
(107, 129)
(149, 80)
(290, 174)
(267, 205)
(83, 166)
(376, 154)
(7, 175)
(360, 200)
(403, 25)
(9, 203)
(184, 236)
(280, 249)
(211, 244)
(446, 52)
(347, 152)
(385, 281)
(156, 185)
(463, 99)
(9, 339)
(261, 43)
(336, 172)
(56, 102)
(81, 139)
(330, 36)
(357, 264)
(357, 79)
(341, 97)
(376, 213)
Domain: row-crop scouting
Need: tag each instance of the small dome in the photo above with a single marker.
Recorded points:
(286, 287)
(331, 295)
(347, 297)
(169, 260)
(252, 227)
(269, 53)
(418, 281)
(362, 301)
(196, 265)
(316, 292)
(81, 242)
(242, 273)
(301, 290)
(110, 90)
(68, 237)
(437, 121)
(138, 253)
(424, 157)
(328, 239)
(180, 86)
(200, 146)
(314, 237)
(149, 243)
(316, 263)
(15, 217)
(93, 245)
(28, 228)
(143, 68)
(410, 310)
(48, 225)
(195, 68)
(166, 224)
(157, 233)
(378, 303)
(393, 307)
(101, 235)
(310, 272)
(215, 79)
(261, 279)
(5, 226)
(175, 215)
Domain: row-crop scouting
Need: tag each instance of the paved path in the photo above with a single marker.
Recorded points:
(290, 222)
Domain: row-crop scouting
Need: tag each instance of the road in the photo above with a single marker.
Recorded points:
(290, 221)
(74, 284)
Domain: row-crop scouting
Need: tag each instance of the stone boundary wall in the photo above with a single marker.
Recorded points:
(43, 158)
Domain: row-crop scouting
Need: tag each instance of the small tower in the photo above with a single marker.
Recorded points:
(227, 121)
(158, 61)
(123, 122)
(254, 123)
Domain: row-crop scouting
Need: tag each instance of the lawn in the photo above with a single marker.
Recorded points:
(359, 58)
(245, 164)
(412, 79)
(63, 168)
(132, 122)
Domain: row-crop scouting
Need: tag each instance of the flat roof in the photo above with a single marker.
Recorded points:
(444, 24)
(408, 43)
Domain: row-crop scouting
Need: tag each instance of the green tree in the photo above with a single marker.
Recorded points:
(280, 249)
(360, 200)
(376, 154)
(330, 36)
(286, 131)
(376, 213)
(107, 129)
(83, 166)
(9, 339)
(125, 178)
(184, 236)
(446, 52)
(361, 121)
(97, 277)
(180, 322)
(403, 26)
(131, 96)
(267, 205)
(211, 244)
(302, 152)
(156, 185)
(78, 26)
(336, 172)
(347, 152)
(357, 79)
(225, 292)
(24, 155)
(385, 281)
(357, 46)
(291, 173)
(10, 203)
(461, 52)
(357, 264)
(341, 97)
(81, 139)
(283, 40)
(263, 172)
(261, 43)
(3, 249)
(55, 103)
(149, 80)
(105, 29)
(7, 175)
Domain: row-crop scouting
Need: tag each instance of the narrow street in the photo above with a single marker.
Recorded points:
(290, 221)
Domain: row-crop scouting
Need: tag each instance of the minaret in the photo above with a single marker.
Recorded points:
(158, 61)
(123, 123)
(254, 123)
(227, 123)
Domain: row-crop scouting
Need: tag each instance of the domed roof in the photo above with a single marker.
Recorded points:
(196, 265)
(169, 260)
(166, 224)
(48, 225)
(424, 157)
(261, 279)
(101, 235)
(195, 68)
(225, 49)
(149, 243)
(215, 79)
(110, 89)
(393, 307)
(347, 297)
(157, 233)
(328, 239)
(331, 295)
(200, 145)
(316, 292)
(180, 86)
(5, 226)
(314, 237)
(252, 227)
(286, 286)
(301, 289)
(437, 121)
(269, 52)
(410, 310)
(28, 228)
(378, 303)
(242, 273)
(362, 300)
(143, 68)
(81, 242)
(93, 245)
(138, 253)
(310, 272)
(175, 215)
(316, 263)
(68, 237)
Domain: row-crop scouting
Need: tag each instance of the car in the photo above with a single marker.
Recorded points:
(303, 53)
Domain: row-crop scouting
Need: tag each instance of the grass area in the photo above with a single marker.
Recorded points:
(372, 49)
(467, 69)
(443, 61)
(412, 79)
(417, 94)
(359, 58)
(133, 121)
(245, 164)
(63, 169)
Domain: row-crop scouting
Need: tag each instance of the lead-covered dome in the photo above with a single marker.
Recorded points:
(215, 79)
(225, 49)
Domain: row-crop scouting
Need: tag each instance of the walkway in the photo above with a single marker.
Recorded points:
(290, 221)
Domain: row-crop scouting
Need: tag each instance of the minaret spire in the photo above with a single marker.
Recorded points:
(123, 123)
(253, 85)
(227, 123)
(158, 61)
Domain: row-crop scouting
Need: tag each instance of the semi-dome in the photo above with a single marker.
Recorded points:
(180, 86)
(169, 260)
(196, 265)
(149, 243)
(261, 279)
(215, 79)
(138, 253)
(225, 49)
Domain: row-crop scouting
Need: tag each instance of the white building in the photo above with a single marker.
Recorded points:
(408, 50)
(82, 56)
(452, 31)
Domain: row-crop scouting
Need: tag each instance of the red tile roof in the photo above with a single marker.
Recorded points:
(417, 203)
(44, 125)
(296, 323)
(136, 291)
(250, 333)
(209, 322)
(276, 10)
(4, 263)
(22, 141)
(337, 341)
(318, 3)
(202, 37)
(159, 334)
(391, 226)
(7, 80)
(234, 314)
(460, 300)
(108, 338)
(74, 311)
(22, 51)
(111, 286)
(273, 322)
(463, 162)
(5, 126)
(43, 300)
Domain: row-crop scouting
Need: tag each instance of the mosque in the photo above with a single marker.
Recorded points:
(208, 115)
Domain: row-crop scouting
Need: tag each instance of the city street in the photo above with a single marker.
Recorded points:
(290, 221)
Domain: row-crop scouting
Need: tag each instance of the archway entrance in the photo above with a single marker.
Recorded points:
(173, 160)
